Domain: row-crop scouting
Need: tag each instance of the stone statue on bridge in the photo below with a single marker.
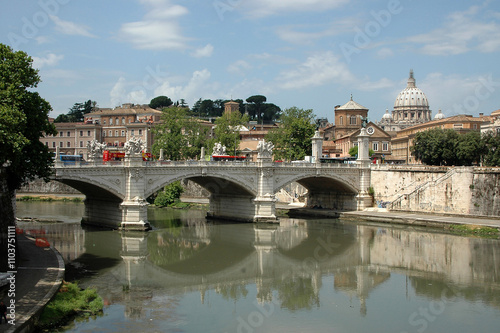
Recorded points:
(265, 149)
(134, 146)
(219, 149)
(95, 149)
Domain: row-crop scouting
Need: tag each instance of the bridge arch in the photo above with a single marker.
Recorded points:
(215, 184)
(330, 191)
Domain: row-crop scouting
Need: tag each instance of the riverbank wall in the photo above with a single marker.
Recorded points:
(450, 190)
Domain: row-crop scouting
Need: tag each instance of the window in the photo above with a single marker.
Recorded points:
(123, 133)
(60, 144)
(110, 121)
(140, 132)
(46, 144)
(375, 146)
(61, 134)
(341, 122)
(68, 133)
(104, 122)
(81, 133)
(110, 133)
(117, 121)
(116, 133)
(385, 146)
(81, 144)
(53, 144)
(68, 144)
(132, 132)
(353, 120)
(88, 133)
(123, 120)
(103, 133)
(457, 125)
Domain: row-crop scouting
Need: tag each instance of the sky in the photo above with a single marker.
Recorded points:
(312, 54)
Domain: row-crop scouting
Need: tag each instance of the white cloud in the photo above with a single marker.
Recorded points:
(384, 53)
(323, 69)
(317, 70)
(239, 67)
(197, 87)
(461, 32)
(292, 34)
(159, 29)
(261, 8)
(203, 52)
(70, 28)
(50, 60)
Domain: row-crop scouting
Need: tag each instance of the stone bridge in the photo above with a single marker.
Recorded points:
(116, 192)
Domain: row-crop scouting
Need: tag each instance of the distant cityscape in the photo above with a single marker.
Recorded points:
(390, 138)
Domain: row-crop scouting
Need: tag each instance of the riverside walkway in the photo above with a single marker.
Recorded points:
(39, 275)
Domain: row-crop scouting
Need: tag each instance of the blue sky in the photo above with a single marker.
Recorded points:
(312, 54)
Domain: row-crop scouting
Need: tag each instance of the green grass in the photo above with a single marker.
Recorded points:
(475, 230)
(49, 199)
(70, 302)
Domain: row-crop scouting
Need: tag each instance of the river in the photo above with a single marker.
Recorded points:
(298, 275)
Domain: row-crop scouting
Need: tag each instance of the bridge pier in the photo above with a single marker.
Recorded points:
(135, 207)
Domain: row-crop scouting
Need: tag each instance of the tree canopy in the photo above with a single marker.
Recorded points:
(354, 151)
(227, 131)
(23, 120)
(293, 138)
(160, 102)
(448, 147)
(180, 136)
(77, 112)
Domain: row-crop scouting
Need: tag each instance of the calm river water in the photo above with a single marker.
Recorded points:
(301, 275)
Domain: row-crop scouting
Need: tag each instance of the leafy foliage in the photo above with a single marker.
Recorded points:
(178, 135)
(448, 147)
(160, 102)
(292, 139)
(227, 131)
(69, 302)
(169, 195)
(354, 151)
(23, 120)
(491, 154)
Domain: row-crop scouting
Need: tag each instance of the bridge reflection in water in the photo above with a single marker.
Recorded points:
(288, 263)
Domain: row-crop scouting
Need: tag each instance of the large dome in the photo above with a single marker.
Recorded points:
(411, 96)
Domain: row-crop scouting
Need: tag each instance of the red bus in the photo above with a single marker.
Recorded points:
(228, 158)
(119, 155)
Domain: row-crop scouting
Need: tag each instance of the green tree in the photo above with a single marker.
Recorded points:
(292, 139)
(160, 102)
(491, 149)
(447, 147)
(169, 195)
(77, 112)
(178, 135)
(227, 131)
(23, 120)
(354, 151)
(255, 106)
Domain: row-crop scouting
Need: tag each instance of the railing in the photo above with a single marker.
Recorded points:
(397, 203)
(89, 164)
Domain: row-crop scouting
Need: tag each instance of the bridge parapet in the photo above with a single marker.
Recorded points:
(241, 190)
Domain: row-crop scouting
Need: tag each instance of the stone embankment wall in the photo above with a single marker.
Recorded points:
(39, 186)
(454, 190)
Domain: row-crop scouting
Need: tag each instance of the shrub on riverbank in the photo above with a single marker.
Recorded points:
(69, 302)
(475, 230)
(48, 199)
(169, 195)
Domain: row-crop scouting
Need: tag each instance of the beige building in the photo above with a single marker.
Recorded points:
(111, 126)
(348, 118)
(380, 142)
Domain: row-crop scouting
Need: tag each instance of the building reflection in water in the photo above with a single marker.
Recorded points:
(287, 262)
